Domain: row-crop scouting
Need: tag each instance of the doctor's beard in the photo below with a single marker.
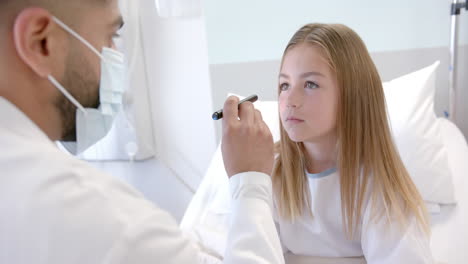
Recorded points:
(81, 83)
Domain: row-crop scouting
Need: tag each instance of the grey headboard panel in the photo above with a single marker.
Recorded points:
(260, 77)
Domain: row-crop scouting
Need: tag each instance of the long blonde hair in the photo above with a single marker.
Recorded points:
(367, 159)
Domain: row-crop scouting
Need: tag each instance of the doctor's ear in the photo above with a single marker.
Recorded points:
(35, 35)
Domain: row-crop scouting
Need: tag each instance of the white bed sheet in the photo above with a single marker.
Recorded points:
(449, 241)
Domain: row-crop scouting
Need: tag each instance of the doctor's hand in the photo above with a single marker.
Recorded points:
(247, 143)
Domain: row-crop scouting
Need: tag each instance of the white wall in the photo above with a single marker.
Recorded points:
(176, 58)
(256, 30)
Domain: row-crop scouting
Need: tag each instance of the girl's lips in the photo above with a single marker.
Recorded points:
(294, 120)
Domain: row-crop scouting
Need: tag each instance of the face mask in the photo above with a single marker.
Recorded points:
(94, 124)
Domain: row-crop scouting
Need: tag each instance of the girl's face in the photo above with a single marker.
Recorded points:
(308, 96)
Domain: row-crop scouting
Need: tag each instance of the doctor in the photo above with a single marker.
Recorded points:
(57, 63)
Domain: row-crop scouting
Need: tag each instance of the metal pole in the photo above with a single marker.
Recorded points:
(453, 60)
(454, 12)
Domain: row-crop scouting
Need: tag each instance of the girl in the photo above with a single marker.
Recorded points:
(341, 189)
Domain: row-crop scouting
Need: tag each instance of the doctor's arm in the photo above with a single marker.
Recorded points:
(248, 156)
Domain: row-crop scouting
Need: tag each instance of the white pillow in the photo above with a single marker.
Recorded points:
(417, 133)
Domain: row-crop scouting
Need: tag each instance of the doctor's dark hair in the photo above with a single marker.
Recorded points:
(66, 8)
(368, 162)
(49, 2)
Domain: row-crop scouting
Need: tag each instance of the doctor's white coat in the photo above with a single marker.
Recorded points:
(56, 209)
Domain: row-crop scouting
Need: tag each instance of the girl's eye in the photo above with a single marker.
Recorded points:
(311, 85)
(283, 87)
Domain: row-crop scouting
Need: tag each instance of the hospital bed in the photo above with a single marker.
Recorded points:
(450, 226)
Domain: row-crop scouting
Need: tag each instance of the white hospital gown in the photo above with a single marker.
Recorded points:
(322, 235)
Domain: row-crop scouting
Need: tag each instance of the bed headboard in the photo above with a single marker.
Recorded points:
(261, 77)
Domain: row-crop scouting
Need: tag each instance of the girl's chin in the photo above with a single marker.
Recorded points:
(296, 138)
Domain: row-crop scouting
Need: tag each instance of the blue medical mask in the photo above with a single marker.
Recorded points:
(94, 124)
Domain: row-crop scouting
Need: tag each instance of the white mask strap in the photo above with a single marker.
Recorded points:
(66, 93)
(76, 35)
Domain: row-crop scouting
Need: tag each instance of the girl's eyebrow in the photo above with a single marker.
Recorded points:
(284, 76)
(303, 75)
(307, 74)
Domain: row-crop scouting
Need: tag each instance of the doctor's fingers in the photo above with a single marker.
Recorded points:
(231, 112)
(247, 113)
(258, 116)
(260, 123)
